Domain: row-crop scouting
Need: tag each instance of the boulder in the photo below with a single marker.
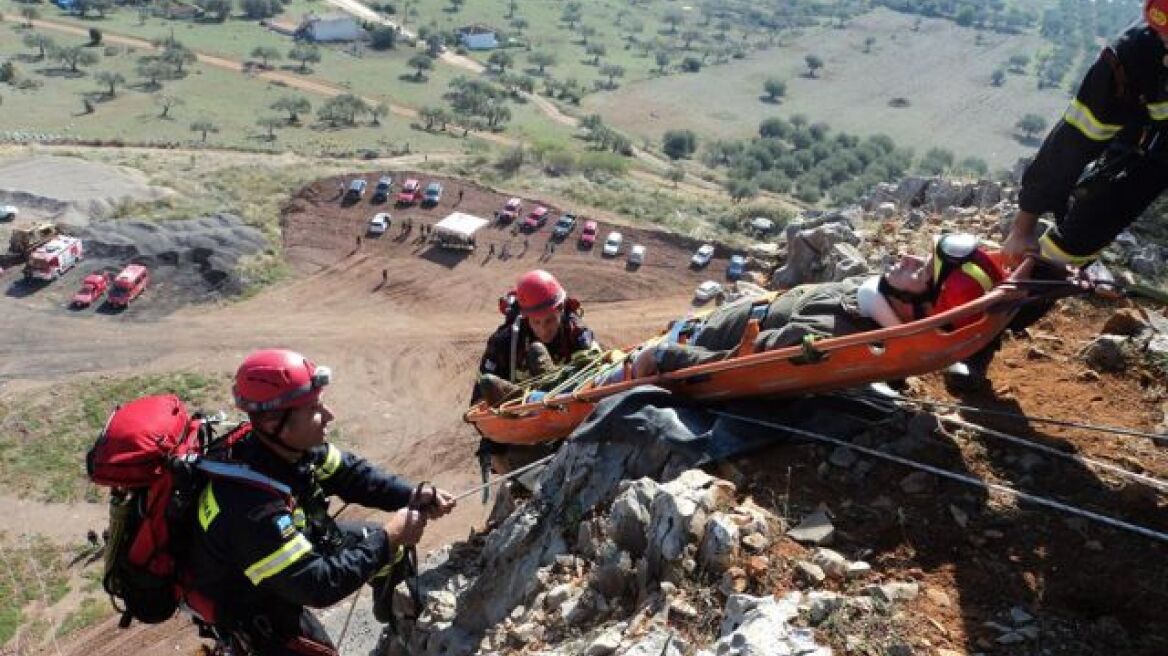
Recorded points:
(1106, 353)
(628, 518)
(831, 562)
(811, 256)
(719, 547)
(763, 626)
(815, 528)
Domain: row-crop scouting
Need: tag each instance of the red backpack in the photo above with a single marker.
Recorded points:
(157, 458)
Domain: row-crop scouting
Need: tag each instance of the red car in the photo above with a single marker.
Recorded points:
(129, 285)
(92, 288)
(410, 192)
(588, 234)
(511, 210)
(536, 219)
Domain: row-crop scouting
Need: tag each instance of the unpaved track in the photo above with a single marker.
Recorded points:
(403, 353)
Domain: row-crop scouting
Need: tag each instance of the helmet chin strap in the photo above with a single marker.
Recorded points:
(918, 300)
(275, 436)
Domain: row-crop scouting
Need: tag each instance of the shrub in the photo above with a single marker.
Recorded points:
(679, 144)
(691, 64)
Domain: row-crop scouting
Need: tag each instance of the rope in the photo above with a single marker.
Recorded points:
(1030, 444)
(1038, 420)
(1083, 460)
(961, 478)
(348, 617)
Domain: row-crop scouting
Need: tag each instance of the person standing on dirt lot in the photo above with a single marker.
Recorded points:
(542, 329)
(1100, 167)
(263, 551)
(460, 191)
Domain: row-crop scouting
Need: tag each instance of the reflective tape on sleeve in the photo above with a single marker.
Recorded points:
(291, 551)
(1081, 116)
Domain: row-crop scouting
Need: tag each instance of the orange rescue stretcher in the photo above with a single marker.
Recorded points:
(829, 364)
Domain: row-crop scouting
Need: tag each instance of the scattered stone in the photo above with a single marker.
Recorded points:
(719, 547)
(1030, 632)
(757, 566)
(831, 562)
(1124, 322)
(842, 457)
(1088, 376)
(918, 482)
(683, 608)
(959, 516)
(1035, 353)
(993, 534)
(1093, 545)
(858, 570)
(949, 652)
(755, 542)
(733, 582)
(821, 604)
(1011, 638)
(894, 592)
(1031, 462)
(1106, 353)
(628, 520)
(1020, 616)
(815, 529)
(810, 572)
(899, 649)
(606, 643)
(938, 597)
(557, 596)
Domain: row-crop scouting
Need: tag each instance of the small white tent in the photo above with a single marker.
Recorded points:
(457, 230)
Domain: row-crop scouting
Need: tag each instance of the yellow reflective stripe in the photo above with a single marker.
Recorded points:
(331, 462)
(1052, 251)
(277, 561)
(298, 518)
(208, 507)
(977, 273)
(1081, 116)
(1158, 111)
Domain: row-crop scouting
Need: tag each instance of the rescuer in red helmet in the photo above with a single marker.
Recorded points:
(263, 550)
(542, 329)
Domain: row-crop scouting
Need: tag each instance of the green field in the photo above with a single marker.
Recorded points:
(942, 71)
(383, 76)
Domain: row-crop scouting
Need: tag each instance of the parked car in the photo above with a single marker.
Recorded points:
(381, 191)
(564, 226)
(588, 234)
(356, 189)
(737, 267)
(637, 255)
(612, 244)
(93, 287)
(702, 257)
(511, 210)
(433, 194)
(410, 192)
(7, 212)
(707, 290)
(379, 223)
(129, 285)
(535, 220)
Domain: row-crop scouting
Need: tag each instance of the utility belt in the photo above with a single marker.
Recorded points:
(1118, 161)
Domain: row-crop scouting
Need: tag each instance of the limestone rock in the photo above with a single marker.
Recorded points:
(815, 529)
(719, 547)
(628, 518)
(810, 572)
(1106, 353)
(831, 562)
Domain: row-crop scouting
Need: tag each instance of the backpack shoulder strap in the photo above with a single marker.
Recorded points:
(1108, 55)
(242, 473)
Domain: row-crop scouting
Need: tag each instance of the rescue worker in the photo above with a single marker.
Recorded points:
(1104, 163)
(542, 329)
(264, 550)
(1100, 167)
(958, 270)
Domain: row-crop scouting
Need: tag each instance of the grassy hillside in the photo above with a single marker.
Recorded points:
(943, 72)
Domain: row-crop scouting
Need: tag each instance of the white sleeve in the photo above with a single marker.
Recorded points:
(873, 304)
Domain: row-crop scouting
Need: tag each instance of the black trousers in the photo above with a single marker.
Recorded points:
(1102, 208)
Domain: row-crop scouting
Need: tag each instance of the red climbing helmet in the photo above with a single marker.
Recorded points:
(278, 379)
(539, 294)
(1156, 13)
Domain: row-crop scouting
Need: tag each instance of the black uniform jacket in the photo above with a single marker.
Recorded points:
(260, 549)
(1123, 99)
